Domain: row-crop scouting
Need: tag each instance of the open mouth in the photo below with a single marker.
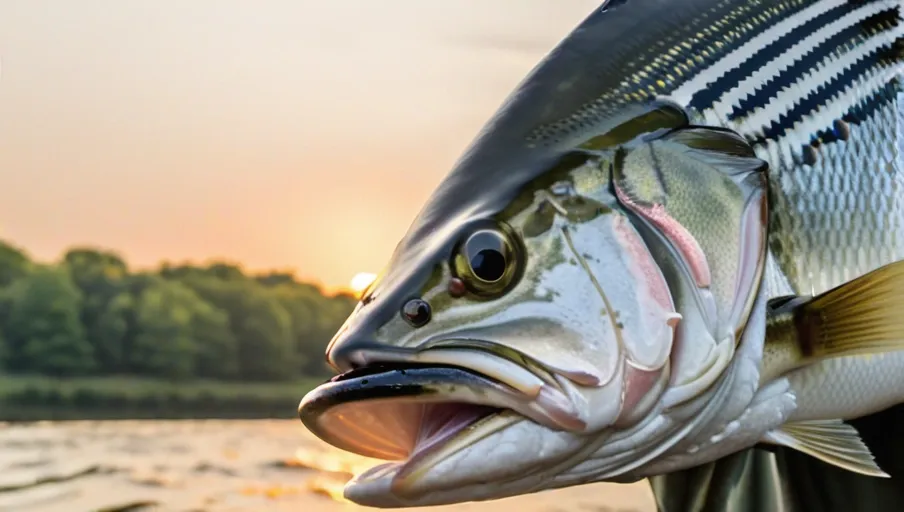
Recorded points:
(417, 414)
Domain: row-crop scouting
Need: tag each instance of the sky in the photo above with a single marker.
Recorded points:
(299, 135)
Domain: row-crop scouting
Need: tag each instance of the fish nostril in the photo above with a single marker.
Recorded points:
(416, 312)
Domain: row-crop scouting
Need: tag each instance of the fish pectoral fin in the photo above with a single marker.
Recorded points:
(831, 441)
(862, 316)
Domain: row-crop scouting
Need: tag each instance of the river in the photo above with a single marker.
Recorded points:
(217, 466)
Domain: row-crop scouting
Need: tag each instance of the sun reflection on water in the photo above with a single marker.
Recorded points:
(334, 468)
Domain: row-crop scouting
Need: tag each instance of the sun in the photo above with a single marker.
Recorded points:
(361, 281)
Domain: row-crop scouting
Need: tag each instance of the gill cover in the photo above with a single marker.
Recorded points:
(703, 192)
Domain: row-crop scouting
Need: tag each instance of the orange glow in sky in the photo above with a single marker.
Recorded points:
(287, 134)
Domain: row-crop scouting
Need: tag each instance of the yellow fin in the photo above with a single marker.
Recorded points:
(831, 441)
(863, 316)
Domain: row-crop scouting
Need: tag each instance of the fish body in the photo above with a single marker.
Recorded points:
(589, 294)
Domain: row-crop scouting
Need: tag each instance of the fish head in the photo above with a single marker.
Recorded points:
(524, 318)
(542, 322)
(497, 351)
(547, 322)
(559, 281)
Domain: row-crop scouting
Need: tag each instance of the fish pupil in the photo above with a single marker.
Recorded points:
(488, 265)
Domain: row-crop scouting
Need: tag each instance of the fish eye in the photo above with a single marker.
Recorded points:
(416, 312)
(487, 254)
(486, 261)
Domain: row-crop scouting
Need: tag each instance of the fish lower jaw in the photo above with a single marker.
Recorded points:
(398, 483)
(409, 430)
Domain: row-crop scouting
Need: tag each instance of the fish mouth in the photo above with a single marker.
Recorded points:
(418, 414)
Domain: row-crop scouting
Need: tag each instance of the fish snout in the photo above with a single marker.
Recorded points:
(354, 348)
(347, 350)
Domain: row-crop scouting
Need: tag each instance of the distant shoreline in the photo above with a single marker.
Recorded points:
(41, 398)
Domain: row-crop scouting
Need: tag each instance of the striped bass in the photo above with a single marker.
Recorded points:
(678, 240)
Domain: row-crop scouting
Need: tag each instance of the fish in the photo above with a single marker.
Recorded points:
(612, 283)
(438, 400)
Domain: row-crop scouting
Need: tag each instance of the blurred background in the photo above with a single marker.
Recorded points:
(191, 195)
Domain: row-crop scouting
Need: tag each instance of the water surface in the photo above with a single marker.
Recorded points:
(217, 466)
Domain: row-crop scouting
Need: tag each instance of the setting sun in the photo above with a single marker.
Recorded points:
(361, 281)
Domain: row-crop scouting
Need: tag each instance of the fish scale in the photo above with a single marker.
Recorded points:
(828, 223)
(881, 379)
(676, 60)
(836, 214)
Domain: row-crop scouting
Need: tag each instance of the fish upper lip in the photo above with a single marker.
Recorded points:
(464, 354)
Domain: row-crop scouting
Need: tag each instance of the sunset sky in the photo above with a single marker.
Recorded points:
(282, 134)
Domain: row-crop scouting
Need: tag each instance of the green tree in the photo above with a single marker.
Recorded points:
(226, 271)
(43, 332)
(302, 312)
(14, 264)
(5, 306)
(101, 277)
(277, 278)
(164, 344)
(212, 321)
(216, 345)
(4, 351)
(260, 324)
(216, 270)
(314, 320)
(266, 351)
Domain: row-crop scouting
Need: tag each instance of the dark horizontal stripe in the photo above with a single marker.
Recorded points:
(756, 17)
(659, 53)
(721, 39)
(844, 40)
(705, 98)
(863, 111)
(825, 92)
(633, 47)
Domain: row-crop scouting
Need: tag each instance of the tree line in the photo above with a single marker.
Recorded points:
(89, 314)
